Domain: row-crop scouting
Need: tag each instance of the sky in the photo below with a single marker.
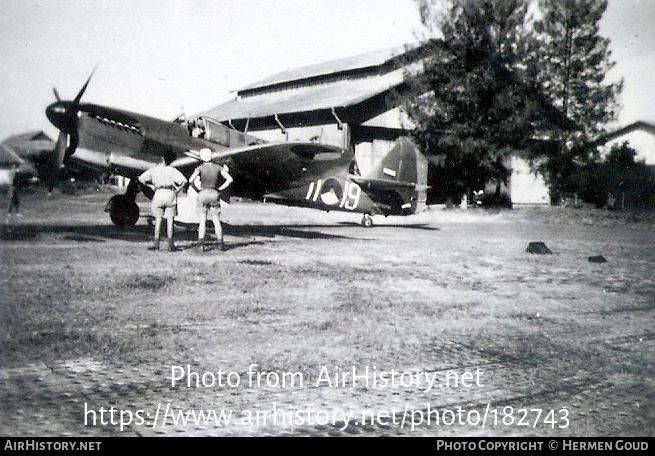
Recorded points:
(165, 57)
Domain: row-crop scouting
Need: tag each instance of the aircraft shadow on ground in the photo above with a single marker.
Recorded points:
(143, 233)
(213, 246)
(295, 231)
(303, 231)
(412, 226)
(79, 233)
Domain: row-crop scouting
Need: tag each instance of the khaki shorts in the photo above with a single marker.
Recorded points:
(164, 203)
(209, 201)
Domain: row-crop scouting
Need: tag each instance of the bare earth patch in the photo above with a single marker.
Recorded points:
(516, 344)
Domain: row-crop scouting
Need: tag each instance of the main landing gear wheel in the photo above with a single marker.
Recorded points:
(123, 211)
(367, 221)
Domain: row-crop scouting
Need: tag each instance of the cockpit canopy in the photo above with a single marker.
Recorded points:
(214, 131)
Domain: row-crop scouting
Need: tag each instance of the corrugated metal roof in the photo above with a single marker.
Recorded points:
(8, 157)
(23, 147)
(370, 59)
(639, 125)
(340, 94)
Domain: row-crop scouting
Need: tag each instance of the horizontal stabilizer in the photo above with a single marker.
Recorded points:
(397, 183)
(383, 184)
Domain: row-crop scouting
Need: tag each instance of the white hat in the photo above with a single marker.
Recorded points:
(206, 154)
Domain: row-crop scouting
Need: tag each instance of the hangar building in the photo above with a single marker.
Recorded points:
(351, 102)
(639, 135)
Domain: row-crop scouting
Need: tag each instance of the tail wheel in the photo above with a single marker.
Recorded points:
(123, 211)
(367, 221)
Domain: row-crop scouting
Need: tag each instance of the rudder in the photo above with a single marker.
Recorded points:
(404, 163)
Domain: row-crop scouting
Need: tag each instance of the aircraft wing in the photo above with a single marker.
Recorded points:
(262, 169)
(127, 163)
(304, 149)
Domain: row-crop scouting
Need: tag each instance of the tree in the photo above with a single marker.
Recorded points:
(569, 61)
(477, 107)
(617, 182)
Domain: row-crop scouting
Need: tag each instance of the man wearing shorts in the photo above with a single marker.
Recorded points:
(214, 179)
(167, 181)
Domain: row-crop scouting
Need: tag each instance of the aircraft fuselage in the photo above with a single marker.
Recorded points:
(125, 143)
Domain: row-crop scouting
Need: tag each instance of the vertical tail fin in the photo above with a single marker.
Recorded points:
(404, 163)
(401, 164)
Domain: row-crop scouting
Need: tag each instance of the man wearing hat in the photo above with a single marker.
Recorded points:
(167, 181)
(214, 179)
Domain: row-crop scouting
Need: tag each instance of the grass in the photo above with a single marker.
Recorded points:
(306, 290)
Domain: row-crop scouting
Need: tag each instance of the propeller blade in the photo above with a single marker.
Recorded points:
(65, 116)
(72, 146)
(57, 161)
(68, 138)
(81, 92)
(62, 144)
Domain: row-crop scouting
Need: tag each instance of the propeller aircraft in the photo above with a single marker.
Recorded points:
(305, 174)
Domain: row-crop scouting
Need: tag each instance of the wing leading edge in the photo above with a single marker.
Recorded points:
(304, 149)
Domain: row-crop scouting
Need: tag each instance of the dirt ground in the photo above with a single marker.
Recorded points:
(310, 325)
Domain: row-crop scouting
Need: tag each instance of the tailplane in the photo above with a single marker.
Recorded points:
(398, 179)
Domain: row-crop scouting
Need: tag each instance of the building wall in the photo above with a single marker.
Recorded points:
(393, 118)
(525, 187)
(7, 173)
(367, 153)
(641, 141)
(324, 134)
